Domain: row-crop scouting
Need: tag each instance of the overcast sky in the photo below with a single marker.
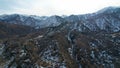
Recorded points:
(54, 7)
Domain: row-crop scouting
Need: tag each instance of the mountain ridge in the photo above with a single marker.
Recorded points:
(43, 21)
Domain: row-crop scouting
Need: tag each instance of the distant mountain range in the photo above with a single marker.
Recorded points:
(106, 19)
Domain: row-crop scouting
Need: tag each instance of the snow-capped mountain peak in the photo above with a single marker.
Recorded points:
(110, 10)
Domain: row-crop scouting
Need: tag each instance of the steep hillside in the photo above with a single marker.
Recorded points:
(12, 30)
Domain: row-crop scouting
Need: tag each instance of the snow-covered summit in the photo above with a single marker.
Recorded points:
(110, 10)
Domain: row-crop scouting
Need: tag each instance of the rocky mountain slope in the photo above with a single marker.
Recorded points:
(76, 41)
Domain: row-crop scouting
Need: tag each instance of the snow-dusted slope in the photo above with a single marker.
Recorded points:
(33, 21)
(52, 21)
(107, 19)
